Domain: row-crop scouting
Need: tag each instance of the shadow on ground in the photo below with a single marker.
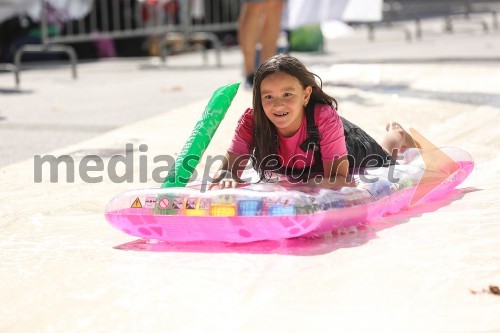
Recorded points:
(14, 91)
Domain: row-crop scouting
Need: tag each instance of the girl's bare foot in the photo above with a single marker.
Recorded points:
(407, 139)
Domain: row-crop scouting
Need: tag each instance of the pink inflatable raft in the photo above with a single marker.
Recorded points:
(271, 211)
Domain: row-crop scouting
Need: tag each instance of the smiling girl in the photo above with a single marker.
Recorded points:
(294, 129)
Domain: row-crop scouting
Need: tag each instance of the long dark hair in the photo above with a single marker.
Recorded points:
(265, 135)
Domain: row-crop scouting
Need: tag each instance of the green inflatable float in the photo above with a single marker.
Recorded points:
(200, 137)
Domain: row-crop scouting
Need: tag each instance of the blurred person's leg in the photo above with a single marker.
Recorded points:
(249, 30)
(271, 27)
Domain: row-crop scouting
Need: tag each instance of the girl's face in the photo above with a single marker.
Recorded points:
(283, 100)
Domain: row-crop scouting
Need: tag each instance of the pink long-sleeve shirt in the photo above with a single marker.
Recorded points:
(332, 140)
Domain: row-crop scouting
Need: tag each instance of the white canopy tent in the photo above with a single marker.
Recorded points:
(304, 12)
(71, 8)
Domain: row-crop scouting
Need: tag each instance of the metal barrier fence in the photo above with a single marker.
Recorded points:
(450, 11)
(185, 23)
(11, 68)
(191, 24)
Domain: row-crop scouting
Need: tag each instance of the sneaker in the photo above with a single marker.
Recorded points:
(249, 81)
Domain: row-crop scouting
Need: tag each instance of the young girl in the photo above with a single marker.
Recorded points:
(294, 129)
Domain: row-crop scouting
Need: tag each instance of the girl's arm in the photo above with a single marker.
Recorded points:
(336, 174)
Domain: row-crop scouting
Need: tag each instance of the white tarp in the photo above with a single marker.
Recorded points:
(304, 12)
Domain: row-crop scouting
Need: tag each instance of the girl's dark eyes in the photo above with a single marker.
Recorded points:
(269, 96)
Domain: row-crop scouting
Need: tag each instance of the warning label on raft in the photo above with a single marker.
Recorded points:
(150, 202)
(164, 203)
(136, 203)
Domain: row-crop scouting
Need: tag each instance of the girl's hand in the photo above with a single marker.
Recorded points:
(223, 180)
(228, 183)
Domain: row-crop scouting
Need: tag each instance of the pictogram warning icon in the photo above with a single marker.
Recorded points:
(191, 203)
(177, 203)
(205, 203)
(164, 203)
(150, 202)
(136, 203)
